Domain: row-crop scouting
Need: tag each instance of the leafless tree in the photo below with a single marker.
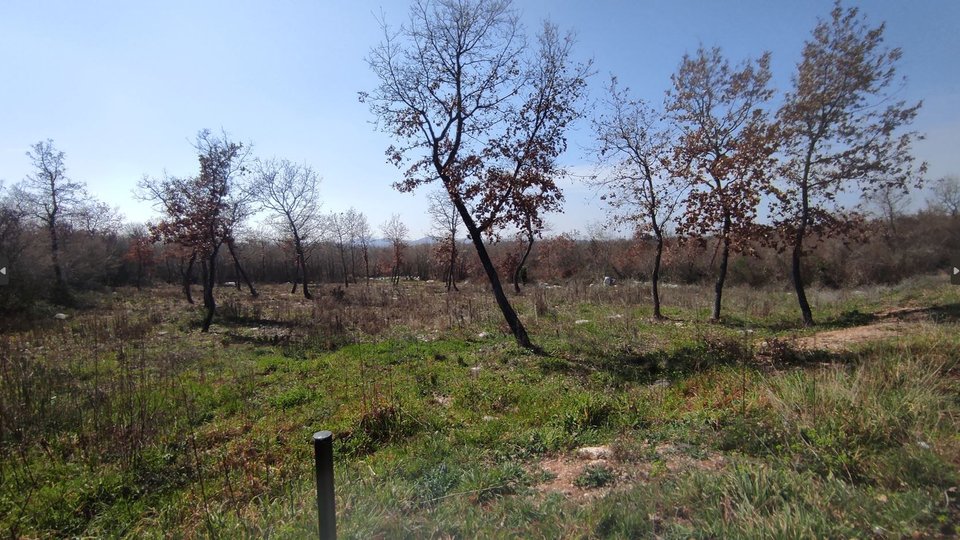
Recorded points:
(353, 222)
(472, 106)
(395, 231)
(290, 192)
(51, 198)
(946, 195)
(842, 129)
(363, 236)
(445, 223)
(635, 148)
(338, 228)
(890, 203)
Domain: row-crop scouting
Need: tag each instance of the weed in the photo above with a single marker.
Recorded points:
(595, 476)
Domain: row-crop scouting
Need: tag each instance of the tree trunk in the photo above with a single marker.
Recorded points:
(139, 272)
(301, 259)
(209, 269)
(366, 265)
(798, 281)
(353, 263)
(451, 273)
(236, 264)
(61, 294)
(722, 275)
(516, 327)
(523, 261)
(797, 255)
(188, 277)
(655, 279)
(343, 264)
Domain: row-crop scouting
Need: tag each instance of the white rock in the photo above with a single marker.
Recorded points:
(488, 418)
(581, 321)
(482, 335)
(475, 370)
(60, 316)
(593, 452)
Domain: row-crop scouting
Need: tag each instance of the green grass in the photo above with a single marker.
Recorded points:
(112, 429)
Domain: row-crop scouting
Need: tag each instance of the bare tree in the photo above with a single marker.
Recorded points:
(946, 195)
(395, 231)
(634, 153)
(842, 129)
(890, 203)
(51, 198)
(474, 111)
(338, 227)
(724, 150)
(445, 223)
(291, 193)
(352, 222)
(363, 236)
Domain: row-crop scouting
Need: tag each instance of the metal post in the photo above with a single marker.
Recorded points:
(326, 509)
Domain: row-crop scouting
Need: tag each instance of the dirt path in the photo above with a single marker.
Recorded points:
(888, 324)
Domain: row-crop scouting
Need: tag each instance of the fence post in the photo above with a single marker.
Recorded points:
(326, 508)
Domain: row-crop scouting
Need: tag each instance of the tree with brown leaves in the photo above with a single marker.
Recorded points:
(635, 148)
(724, 150)
(474, 109)
(842, 130)
(202, 212)
(140, 251)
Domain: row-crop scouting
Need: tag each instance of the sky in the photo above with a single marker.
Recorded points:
(123, 87)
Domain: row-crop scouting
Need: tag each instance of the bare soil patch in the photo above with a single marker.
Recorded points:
(845, 338)
(887, 324)
(563, 471)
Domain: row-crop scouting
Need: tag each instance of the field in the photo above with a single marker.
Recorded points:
(125, 421)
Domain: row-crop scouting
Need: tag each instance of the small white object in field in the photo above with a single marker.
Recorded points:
(162, 333)
(615, 316)
(923, 445)
(593, 452)
(581, 321)
(482, 335)
(609, 281)
(60, 316)
(475, 370)
(230, 284)
(487, 418)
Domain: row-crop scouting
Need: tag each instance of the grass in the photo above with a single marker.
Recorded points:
(123, 421)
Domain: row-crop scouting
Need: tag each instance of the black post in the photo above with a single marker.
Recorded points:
(326, 508)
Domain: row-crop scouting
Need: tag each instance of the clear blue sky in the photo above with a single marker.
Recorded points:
(123, 87)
